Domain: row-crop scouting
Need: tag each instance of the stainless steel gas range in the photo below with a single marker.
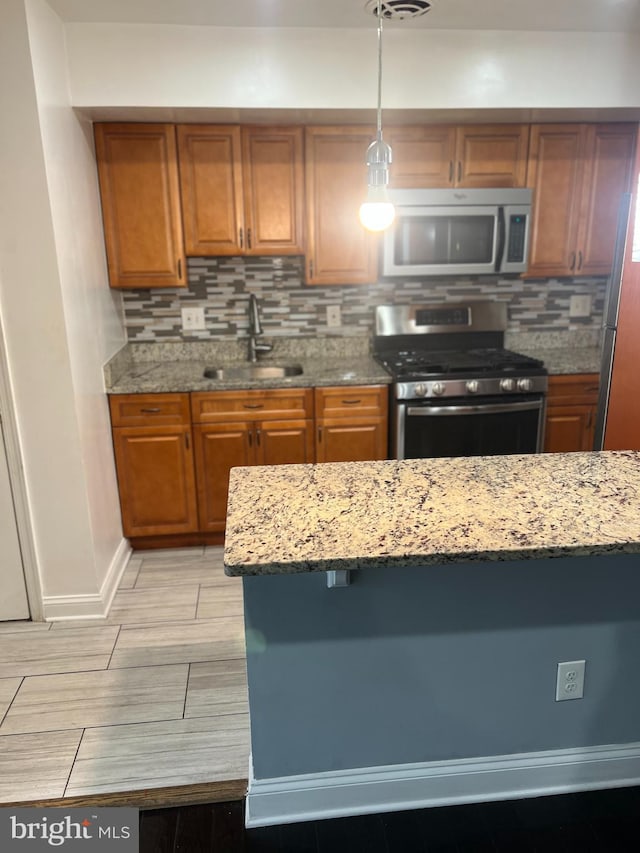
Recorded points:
(456, 390)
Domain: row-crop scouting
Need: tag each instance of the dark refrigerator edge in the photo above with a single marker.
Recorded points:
(610, 322)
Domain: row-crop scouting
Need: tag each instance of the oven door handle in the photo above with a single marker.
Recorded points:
(434, 411)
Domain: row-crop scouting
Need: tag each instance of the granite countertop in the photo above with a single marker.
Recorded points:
(168, 368)
(307, 518)
(566, 360)
(174, 367)
(576, 351)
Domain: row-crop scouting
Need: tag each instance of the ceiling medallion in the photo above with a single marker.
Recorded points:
(398, 10)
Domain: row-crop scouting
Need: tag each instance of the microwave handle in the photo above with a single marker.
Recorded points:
(502, 239)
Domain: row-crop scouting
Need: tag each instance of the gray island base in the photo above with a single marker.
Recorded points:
(431, 678)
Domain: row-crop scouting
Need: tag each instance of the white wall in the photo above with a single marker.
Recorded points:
(92, 311)
(43, 353)
(138, 65)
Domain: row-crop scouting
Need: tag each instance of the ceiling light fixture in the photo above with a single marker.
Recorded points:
(377, 212)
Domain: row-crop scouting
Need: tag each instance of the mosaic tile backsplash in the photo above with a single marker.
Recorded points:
(290, 308)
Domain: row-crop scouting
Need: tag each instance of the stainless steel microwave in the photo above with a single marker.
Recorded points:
(458, 232)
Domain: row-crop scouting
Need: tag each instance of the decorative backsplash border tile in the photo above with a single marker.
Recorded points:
(290, 308)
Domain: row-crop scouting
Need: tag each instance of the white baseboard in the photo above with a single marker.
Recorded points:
(93, 606)
(368, 790)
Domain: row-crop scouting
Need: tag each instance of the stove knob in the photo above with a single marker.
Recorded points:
(437, 388)
(524, 385)
(472, 386)
(507, 384)
(420, 390)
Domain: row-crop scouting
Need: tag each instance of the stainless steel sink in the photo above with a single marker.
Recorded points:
(253, 371)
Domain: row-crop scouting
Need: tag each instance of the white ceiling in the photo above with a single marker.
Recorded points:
(564, 15)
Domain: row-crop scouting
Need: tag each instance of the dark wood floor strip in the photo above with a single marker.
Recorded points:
(590, 822)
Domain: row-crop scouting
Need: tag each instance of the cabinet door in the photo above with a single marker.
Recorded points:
(219, 448)
(339, 249)
(555, 174)
(273, 176)
(569, 428)
(351, 440)
(156, 480)
(607, 176)
(423, 157)
(284, 442)
(210, 159)
(492, 155)
(138, 174)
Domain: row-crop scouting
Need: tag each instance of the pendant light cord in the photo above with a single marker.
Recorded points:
(379, 132)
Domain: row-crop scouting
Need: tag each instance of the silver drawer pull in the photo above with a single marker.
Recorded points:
(253, 405)
(153, 411)
(350, 402)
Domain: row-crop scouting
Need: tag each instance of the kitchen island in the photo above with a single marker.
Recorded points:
(431, 677)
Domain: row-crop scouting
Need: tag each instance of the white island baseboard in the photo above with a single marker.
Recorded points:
(368, 790)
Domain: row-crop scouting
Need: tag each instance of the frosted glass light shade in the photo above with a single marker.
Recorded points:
(377, 215)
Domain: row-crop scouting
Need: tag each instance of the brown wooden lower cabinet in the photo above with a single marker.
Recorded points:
(351, 423)
(571, 413)
(154, 463)
(238, 428)
(221, 447)
(156, 480)
(174, 452)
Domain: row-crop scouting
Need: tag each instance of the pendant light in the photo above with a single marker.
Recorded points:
(377, 212)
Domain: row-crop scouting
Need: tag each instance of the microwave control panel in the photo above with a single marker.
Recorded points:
(517, 235)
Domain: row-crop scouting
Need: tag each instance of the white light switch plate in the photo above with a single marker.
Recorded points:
(193, 319)
(334, 316)
(580, 305)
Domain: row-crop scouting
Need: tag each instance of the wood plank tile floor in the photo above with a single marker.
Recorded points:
(147, 707)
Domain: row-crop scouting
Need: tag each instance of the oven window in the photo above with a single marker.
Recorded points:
(437, 240)
(481, 434)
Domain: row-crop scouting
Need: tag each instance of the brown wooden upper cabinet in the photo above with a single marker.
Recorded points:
(138, 174)
(466, 156)
(242, 189)
(339, 249)
(578, 173)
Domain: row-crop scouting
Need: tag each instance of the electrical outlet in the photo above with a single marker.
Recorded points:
(334, 317)
(570, 680)
(192, 319)
(580, 305)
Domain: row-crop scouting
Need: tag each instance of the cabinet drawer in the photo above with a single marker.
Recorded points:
(149, 409)
(208, 407)
(580, 389)
(351, 401)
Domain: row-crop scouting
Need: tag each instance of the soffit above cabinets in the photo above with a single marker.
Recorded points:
(211, 115)
(543, 15)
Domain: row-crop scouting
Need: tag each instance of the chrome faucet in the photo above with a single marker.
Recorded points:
(255, 329)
